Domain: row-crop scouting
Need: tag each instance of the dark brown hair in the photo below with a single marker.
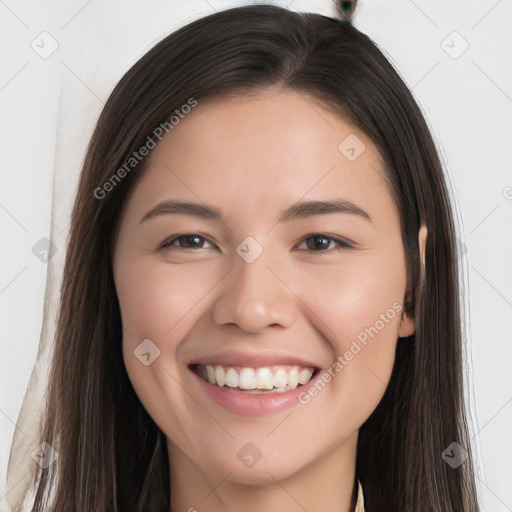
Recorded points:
(112, 456)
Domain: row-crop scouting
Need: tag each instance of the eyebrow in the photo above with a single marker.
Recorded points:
(300, 210)
(185, 208)
(304, 209)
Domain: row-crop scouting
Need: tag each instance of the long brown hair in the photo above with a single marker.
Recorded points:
(112, 456)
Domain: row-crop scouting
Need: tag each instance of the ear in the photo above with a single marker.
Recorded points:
(407, 327)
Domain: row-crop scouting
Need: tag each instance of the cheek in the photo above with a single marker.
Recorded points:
(349, 299)
(157, 299)
(357, 308)
(160, 305)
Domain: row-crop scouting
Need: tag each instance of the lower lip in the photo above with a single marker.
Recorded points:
(246, 404)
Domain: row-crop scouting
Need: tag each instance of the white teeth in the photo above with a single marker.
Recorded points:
(293, 378)
(304, 375)
(231, 378)
(211, 374)
(247, 379)
(257, 380)
(280, 378)
(220, 376)
(264, 378)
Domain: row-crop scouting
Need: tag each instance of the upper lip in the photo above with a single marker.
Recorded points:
(253, 360)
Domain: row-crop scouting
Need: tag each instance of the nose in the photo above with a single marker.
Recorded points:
(254, 296)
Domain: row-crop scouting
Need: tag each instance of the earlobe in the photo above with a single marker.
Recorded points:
(407, 327)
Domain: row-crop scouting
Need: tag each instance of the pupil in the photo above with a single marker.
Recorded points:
(192, 240)
(319, 242)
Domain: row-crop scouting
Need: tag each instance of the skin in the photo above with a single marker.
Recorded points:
(252, 157)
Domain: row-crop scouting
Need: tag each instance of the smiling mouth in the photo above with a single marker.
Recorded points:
(263, 380)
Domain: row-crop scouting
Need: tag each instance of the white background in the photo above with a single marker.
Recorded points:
(49, 105)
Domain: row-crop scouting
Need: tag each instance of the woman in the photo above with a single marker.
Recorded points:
(260, 299)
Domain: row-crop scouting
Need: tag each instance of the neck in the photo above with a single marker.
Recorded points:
(327, 483)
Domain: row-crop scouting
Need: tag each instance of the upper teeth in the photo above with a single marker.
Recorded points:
(283, 378)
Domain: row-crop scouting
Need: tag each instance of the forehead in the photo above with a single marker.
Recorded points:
(269, 148)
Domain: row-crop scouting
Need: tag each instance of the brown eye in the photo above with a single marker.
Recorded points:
(188, 241)
(322, 243)
(318, 242)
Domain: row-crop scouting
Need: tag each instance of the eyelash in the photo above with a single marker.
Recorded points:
(340, 243)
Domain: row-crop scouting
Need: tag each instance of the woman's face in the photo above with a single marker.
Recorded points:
(287, 260)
